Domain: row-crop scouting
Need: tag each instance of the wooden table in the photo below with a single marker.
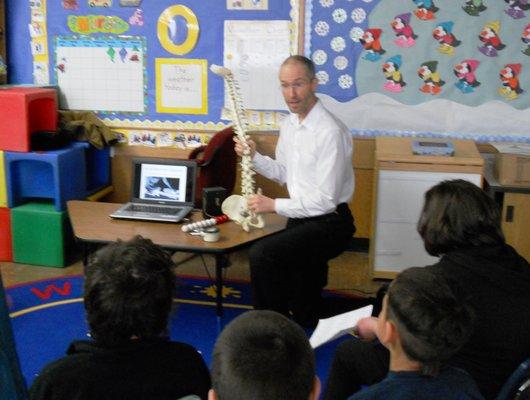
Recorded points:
(91, 224)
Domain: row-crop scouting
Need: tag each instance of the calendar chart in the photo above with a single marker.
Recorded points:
(101, 74)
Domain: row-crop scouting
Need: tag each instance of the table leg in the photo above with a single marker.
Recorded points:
(86, 250)
(219, 259)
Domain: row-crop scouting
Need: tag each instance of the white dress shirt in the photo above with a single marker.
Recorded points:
(314, 159)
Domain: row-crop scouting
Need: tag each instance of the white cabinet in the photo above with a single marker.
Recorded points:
(400, 197)
(401, 180)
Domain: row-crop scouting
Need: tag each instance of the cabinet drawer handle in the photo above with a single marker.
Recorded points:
(509, 214)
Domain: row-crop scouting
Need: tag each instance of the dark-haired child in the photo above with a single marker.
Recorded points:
(128, 297)
(422, 324)
(262, 355)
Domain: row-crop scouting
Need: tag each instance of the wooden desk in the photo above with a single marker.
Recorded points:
(91, 224)
(514, 202)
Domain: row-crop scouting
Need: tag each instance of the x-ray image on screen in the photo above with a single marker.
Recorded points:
(159, 187)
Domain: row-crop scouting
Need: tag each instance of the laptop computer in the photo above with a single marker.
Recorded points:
(162, 190)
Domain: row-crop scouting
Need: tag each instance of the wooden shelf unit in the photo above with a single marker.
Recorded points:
(514, 202)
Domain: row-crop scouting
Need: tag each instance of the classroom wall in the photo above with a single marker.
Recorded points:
(69, 42)
(352, 83)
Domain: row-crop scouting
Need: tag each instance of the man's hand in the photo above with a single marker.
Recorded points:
(240, 148)
(366, 328)
(261, 204)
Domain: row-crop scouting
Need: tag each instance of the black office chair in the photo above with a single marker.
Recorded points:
(517, 387)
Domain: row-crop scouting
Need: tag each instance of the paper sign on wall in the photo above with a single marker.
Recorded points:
(101, 74)
(181, 86)
(254, 51)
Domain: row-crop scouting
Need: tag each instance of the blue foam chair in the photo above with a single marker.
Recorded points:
(97, 168)
(60, 175)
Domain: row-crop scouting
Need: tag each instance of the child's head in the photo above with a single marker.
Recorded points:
(422, 316)
(129, 290)
(263, 355)
(458, 214)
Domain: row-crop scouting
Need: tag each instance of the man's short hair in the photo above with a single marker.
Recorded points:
(458, 214)
(128, 288)
(432, 322)
(306, 62)
(262, 355)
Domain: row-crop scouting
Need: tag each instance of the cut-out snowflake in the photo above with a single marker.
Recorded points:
(319, 57)
(322, 77)
(358, 15)
(339, 15)
(327, 3)
(340, 62)
(356, 33)
(338, 43)
(322, 28)
(345, 81)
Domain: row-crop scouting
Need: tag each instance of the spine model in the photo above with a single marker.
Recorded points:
(236, 206)
(205, 223)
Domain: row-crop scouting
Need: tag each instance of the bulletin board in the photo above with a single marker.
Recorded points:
(145, 63)
(458, 68)
(368, 54)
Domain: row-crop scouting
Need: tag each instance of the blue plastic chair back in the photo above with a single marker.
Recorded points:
(516, 383)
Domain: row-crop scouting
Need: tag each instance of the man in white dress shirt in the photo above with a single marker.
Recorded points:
(314, 159)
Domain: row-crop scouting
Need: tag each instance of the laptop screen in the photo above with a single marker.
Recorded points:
(164, 181)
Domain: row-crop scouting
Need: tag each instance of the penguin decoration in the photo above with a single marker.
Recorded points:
(525, 37)
(443, 34)
(465, 72)
(405, 36)
(394, 80)
(509, 76)
(372, 44)
(474, 7)
(491, 42)
(425, 10)
(516, 8)
(432, 83)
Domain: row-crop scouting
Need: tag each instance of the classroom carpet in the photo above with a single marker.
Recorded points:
(47, 315)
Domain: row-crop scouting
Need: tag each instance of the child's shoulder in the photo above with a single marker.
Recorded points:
(450, 383)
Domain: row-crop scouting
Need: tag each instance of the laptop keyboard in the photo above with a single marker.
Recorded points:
(155, 209)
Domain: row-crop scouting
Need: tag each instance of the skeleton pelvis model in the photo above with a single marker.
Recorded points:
(236, 206)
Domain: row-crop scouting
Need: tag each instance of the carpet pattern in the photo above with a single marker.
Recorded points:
(47, 315)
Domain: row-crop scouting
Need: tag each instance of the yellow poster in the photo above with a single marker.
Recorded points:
(181, 86)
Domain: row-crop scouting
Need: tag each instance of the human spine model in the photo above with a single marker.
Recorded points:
(235, 206)
(205, 223)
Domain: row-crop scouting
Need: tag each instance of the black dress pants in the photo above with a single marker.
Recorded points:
(289, 270)
(354, 364)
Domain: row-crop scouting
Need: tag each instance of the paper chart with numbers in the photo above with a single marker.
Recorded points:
(254, 51)
(104, 74)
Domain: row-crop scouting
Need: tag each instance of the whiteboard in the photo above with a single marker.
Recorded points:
(254, 51)
(106, 74)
